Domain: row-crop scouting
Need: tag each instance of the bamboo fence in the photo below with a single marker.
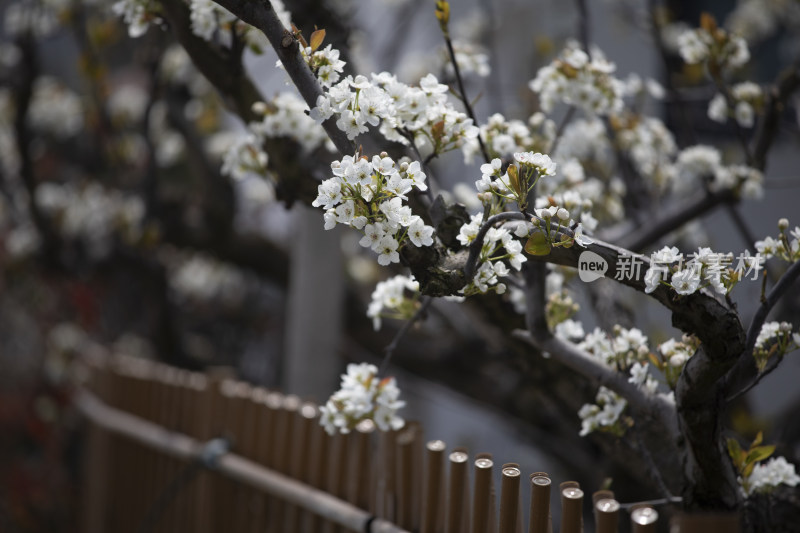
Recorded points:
(172, 450)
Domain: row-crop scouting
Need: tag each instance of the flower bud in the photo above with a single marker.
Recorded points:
(783, 224)
(562, 213)
(259, 108)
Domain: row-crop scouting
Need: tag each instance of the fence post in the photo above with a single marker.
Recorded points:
(571, 508)
(509, 499)
(432, 491)
(643, 519)
(606, 515)
(96, 458)
(407, 468)
(482, 516)
(540, 520)
(458, 493)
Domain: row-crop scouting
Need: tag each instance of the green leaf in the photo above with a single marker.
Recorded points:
(759, 438)
(537, 244)
(759, 453)
(736, 453)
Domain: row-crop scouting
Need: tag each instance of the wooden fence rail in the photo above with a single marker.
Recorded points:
(172, 450)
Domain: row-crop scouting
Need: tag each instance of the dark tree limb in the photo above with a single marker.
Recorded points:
(259, 13)
(744, 375)
(787, 83)
(568, 354)
(627, 236)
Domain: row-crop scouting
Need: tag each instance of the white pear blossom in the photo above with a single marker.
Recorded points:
(766, 476)
(576, 78)
(362, 396)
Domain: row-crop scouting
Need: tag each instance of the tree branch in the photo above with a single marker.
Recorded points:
(389, 350)
(626, 236)
(745, 368)
(463, 91)
(568, 354)
(259, 13)
(787, 83)
(477, 243)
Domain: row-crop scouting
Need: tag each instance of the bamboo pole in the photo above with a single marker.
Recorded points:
(180, 446)
(540, 520)
(406, 467)
(457, 506)
(96, 460)
(571, 508)
(433, 489)
(361, 491)
(482, 519)
(509, 499)
(643, 519)
(606, 515)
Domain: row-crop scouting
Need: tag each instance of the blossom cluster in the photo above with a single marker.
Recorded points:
(499, 246)
(470, 57)
(604, 414)
(581, 79)
(92, 214)
(785, 246)
(651, 148)
(209, 20)
(704, 268)
(55, 109)
(138, 15)
(713, 46)
(587, 166)
(362, 396)
(391, 299)
(422, 115)
(503, 137)
(245, 157)
(746, 99)
(767, 476)
(627, 350)
(200, 279)
(756, 20)
(518, 179)
(324, 63)
(369, 196)
(774, 339)
(701, 163)
(673, 355)
(286, 116)
(621, 350)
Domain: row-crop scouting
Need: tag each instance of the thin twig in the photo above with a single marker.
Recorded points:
(561, 127)
(675, 95)
(389, 350)
(463, 91)
(654, 470)
(787, 83)
(583, 24)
